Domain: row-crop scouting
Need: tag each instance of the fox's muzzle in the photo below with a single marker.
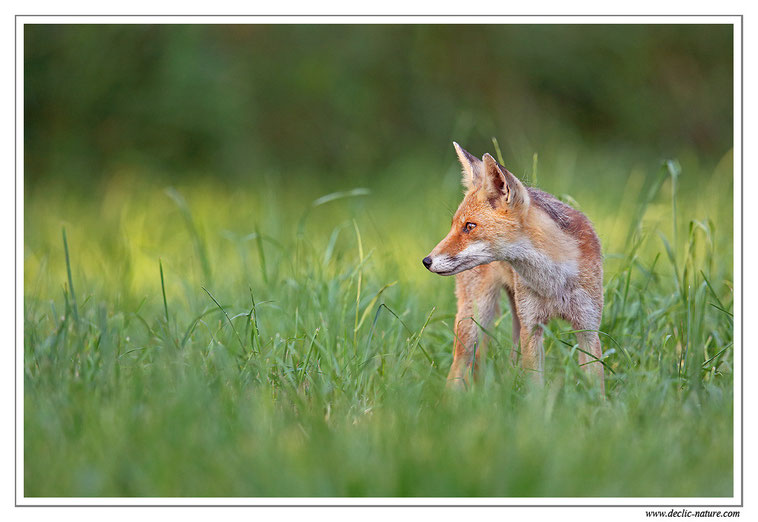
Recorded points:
(441, 264)
(475, 254)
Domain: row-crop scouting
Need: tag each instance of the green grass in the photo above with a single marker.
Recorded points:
(272, 340)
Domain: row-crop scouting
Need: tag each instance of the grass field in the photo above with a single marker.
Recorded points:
(281, 338)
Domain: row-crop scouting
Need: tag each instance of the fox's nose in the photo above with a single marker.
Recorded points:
(427, 261)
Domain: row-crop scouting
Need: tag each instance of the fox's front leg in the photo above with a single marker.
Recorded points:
(478, 291)
(464, 347)
(516, 325)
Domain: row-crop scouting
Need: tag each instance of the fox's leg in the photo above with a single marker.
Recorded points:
(488, 307)
(532, 352)
(516, 325)
(589, 342)
(478, 292)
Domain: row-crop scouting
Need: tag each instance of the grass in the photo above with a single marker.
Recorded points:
(260, 340)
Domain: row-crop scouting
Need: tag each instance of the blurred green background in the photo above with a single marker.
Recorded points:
(239, 308)
(343, 102)
(252, 123)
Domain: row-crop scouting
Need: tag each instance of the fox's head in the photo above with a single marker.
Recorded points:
(489, 220)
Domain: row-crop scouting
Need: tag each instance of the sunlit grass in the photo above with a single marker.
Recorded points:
(275, 339)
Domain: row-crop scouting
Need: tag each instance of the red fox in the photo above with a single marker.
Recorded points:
(545, 255)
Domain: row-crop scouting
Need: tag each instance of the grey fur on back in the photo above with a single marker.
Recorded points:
(558, 211)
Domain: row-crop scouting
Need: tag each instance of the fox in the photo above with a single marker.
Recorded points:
(544, 253)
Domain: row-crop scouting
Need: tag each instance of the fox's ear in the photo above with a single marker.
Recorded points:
(473, 170)
(501, 186)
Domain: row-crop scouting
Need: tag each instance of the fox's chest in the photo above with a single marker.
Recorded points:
(564, 302)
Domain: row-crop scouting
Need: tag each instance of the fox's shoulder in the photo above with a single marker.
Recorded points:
(569, 219)
(557, 210)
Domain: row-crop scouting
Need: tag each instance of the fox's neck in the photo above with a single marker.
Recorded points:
(539, 271)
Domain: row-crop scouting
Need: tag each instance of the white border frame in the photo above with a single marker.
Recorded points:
(695, 503)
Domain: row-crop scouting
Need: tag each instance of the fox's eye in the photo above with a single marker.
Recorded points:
(468, 227)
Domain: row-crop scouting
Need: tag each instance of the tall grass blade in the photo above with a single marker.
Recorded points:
(674, 170)
(371, 303)
(417, 339)
(163, 290)
(360, 279)
(239, 339)
(497, 150)
(74, 307)
(356, 192)
(308, 357)
(197, 239)
(255, 335)
(261, 253)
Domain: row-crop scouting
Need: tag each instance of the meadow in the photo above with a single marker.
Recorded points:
(209, 340)
(222, 278)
